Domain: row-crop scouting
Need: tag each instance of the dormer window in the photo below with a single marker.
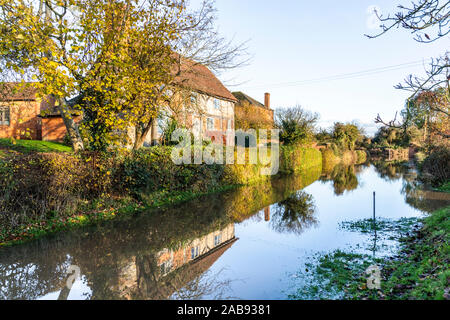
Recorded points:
(4, 116)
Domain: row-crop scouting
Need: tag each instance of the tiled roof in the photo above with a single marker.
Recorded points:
(188, 74)
(197, 77)
(14, 91)
(242, 97)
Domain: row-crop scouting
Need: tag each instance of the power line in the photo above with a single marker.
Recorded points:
(343, 76)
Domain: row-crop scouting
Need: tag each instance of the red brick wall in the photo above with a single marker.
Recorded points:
(53, 129)
(24, 121)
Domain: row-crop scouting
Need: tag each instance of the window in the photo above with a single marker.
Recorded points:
(210, 124)
(169, 93)
(216, 103)
(4, 116)
(217, 240)
(165, 268)
(194, 253)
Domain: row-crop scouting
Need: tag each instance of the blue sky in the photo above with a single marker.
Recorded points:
(291, 41)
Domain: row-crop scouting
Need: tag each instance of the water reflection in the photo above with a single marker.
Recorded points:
(169, 253)
(391, 171)
(416, 195)
(344, 178)
(150, 256)
(295, 214)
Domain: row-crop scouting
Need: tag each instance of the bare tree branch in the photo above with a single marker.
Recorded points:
(419, 17)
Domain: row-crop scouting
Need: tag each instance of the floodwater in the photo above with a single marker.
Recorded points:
(248, 243)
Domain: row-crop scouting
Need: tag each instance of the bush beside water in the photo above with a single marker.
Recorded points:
(40, 187)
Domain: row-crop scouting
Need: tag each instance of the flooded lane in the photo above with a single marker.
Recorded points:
(248, 243)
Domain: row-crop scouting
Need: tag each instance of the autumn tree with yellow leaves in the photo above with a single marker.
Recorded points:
(113, 59)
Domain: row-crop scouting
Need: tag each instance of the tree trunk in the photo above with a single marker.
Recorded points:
(71, 126)
(141, 135)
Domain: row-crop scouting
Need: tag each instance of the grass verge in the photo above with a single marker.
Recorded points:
(29, 146)
(92, 213)
(420, 271)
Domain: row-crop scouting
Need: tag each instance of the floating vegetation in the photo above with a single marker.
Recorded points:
(381, 225)
(336, 275)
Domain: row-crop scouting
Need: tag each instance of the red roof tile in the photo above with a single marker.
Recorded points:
(14, 91)
(197, 77)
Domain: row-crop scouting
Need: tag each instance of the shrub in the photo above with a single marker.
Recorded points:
(296, 125)
(152, 169)
(435, 168)
(346, 135)
(296, 158)
(361, 156)
(33, 186)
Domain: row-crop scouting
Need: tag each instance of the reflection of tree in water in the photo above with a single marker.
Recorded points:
(112, 254)
(27, 279)
(30, 281)
(295, 214)
(420, 199)
(391, 171)
(205, 286)
(415, 192)
(344, 178)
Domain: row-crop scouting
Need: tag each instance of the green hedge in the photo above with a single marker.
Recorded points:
(41, 186)
(297, 158)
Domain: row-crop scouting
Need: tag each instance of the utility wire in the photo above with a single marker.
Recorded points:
(343, 76)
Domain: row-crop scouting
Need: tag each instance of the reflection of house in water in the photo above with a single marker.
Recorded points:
(171, 260)
(159, 275)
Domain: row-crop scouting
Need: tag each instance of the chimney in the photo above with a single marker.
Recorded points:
(267, 100)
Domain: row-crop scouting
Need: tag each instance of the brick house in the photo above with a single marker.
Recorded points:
(162, 273)
(262, 111)
(208, 110)
(20, 114)
(250, 113)
(23, 115)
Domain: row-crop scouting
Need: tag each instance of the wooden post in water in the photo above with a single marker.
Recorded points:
(374, 203)
(374, 225)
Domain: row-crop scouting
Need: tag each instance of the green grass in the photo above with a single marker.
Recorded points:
(336, 275)
(30, 146)
(423, 273)
(382, 225)
(420, 272)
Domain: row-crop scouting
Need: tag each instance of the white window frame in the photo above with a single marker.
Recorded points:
(195, 252)
(208, 122)
(217, 240)
(230, 124)
(166, 267)
(5, 116)
(217, 104)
